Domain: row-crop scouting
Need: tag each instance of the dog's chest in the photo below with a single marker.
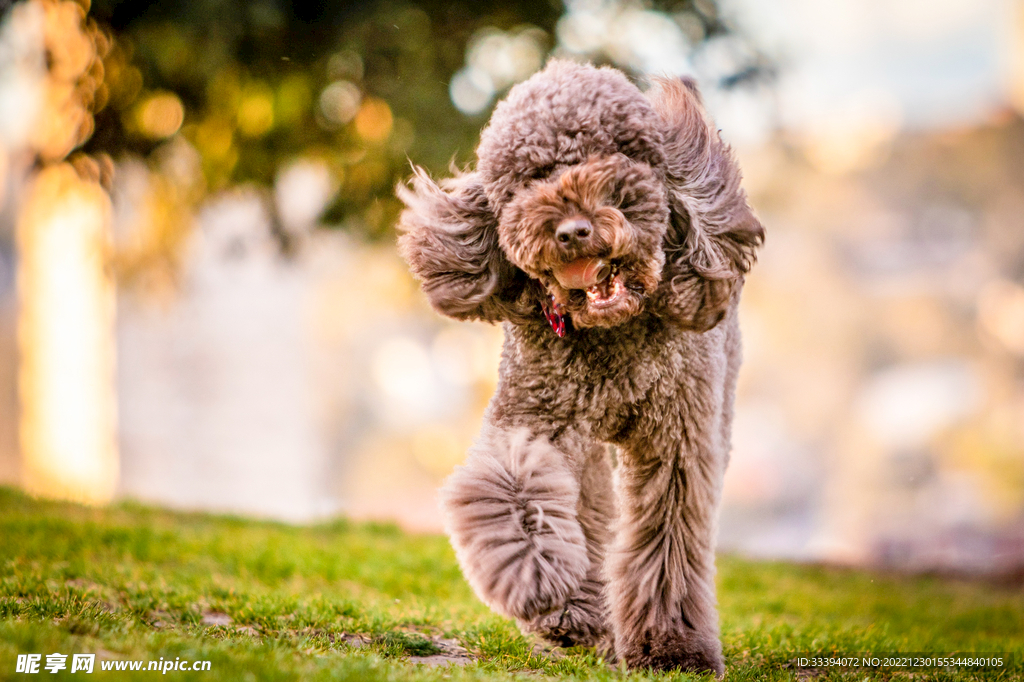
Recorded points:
(602, 378)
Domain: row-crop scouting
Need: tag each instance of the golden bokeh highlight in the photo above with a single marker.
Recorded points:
(374, 120)
(256, 110)
(1001, 314)
(65, 325)
(214, 137)
(75, 48)
(66, 339)
(160, 115)
(70, 48)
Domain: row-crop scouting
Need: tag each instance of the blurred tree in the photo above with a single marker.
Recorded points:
(361, 86)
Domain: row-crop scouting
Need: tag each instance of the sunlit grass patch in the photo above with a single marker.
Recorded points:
(340, 601)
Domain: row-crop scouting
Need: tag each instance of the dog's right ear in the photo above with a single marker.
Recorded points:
(450, 241)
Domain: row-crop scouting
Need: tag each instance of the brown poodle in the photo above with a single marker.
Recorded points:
(608, 231)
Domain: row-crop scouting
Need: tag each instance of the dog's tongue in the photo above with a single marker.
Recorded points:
(583, 273)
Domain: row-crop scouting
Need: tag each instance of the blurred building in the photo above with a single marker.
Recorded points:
(882, 401)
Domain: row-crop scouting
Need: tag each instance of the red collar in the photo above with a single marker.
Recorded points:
(554, 312)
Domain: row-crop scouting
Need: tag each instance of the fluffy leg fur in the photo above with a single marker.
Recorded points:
(662, 572)
(512, 518)
(662, 567)
(583, 620)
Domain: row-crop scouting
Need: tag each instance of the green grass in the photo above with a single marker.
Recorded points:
(346, 601)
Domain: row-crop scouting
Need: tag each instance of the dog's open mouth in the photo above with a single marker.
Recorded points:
(607, 292)
(598, 277)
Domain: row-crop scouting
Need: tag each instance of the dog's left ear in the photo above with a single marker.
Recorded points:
(713, 233)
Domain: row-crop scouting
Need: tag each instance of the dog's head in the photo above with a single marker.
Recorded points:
(591, 195)
(592, 235)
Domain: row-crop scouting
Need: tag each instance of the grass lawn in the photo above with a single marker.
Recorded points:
(346, 601)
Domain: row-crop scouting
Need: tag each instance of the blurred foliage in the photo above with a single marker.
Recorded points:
(362, 87)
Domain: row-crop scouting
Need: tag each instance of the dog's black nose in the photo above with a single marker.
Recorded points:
(573, 230)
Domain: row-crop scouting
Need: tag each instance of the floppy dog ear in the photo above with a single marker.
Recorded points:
(450, 241)
(713, 233)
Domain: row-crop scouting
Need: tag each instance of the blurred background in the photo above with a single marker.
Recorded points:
(201, 305)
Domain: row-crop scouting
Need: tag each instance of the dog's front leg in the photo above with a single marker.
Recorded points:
(512, 517)
(583, 620)
(661, 568)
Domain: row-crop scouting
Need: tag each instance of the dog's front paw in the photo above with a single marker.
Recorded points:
(685, 649)
(581, 622)
(512, 520)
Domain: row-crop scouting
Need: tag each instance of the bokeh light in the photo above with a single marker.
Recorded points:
(339, 102)
(401, 368)
(302, 190)
(644, 40)
(373, 121)
(66, 338)
(1001, 313)
(495, 60)
(256, 109)
(471, 90)
(160, 115)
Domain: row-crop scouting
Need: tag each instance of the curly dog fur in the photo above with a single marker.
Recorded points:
(620, 216)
